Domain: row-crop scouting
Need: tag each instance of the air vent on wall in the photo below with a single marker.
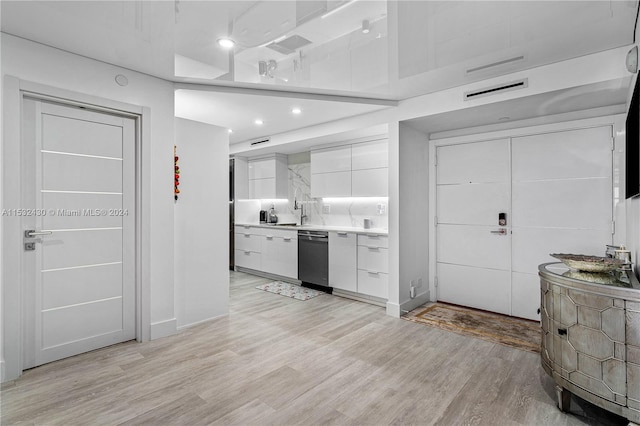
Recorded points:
(259, 141)
(494, 90)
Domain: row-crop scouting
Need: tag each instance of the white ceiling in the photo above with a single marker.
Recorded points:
(238, 111)
(414, 47)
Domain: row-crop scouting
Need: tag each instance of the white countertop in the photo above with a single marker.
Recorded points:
(355, 230)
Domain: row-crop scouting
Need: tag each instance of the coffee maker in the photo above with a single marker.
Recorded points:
(263, 216)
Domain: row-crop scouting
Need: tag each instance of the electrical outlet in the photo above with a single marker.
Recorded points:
(326, 208)
(382, 208)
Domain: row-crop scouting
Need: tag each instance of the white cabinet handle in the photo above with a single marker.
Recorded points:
(247, 252)
(373, 248)
(342, 234)
(247, 235)
(287, 238)
(269, 237)
(373, 273)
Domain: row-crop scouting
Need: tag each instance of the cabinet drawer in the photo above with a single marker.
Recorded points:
(248, 242)
(373, 284)
(280, 233)
(248, 259)
(373, 240)
(373, 259)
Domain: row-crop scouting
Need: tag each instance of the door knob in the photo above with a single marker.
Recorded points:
(501, 231)
(32, 233)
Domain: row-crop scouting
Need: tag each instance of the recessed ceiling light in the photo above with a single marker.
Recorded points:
(296, 111)
(259, 122)
(227, 43)
(230, 130)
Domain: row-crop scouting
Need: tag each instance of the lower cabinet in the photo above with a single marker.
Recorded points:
(359, 263)
(343, 261)
(373, 265)
(280, 254)
(274, 251)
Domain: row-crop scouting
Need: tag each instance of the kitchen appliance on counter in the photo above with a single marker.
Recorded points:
(313, 260)
(263, 216)
(272, 217)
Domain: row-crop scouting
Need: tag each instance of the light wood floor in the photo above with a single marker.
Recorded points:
(281, 361)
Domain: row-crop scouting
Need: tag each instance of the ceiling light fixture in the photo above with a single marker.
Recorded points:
(296, 111)
(226, 43)
(366, 27)
(230, 130)
(337, 9)
(259, 122)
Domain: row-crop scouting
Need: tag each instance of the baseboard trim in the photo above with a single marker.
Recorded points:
(359, 297)
(193, 324)
(268, 275)
(411, 304)
(163, 328)
(393, 310)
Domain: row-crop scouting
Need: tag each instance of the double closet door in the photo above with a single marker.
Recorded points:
(554, 194)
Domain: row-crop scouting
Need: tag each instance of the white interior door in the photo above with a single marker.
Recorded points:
(78, 186)
(562, 203)
(473, 251)
(557, 191)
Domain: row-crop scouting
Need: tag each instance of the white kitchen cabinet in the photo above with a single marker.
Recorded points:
(330, 160)
(373, 283)
(370, 155)
(343, 261)
(268, 177)
(373, 265)
(354, 170)
(280, 253)
(262, 168)
(248, 259)
(336, 184)
(370, 183)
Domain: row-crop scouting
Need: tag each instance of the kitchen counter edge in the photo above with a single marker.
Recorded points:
(372, 231)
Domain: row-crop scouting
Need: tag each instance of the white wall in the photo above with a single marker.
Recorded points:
(201, 223)
(414, 216)
(44, 65)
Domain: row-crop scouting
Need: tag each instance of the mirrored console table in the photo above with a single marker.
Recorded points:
(591, 337)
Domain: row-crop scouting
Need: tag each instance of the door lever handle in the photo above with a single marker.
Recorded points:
(501, 231)
(31, 233)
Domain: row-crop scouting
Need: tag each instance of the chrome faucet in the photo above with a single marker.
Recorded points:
(299, 206)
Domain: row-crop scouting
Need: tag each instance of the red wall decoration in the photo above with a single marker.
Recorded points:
(176, 190)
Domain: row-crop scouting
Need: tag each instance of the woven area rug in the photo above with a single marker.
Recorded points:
(290, 290)
(514, 332)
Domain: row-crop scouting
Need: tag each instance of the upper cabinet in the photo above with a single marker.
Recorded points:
(354, 170)
(268, 177)
(330, 160)
(370, 155)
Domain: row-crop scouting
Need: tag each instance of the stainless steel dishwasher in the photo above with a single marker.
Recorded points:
(313, 259)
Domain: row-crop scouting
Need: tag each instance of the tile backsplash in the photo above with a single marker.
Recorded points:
(338, 212)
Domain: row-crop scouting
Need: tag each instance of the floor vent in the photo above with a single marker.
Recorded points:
(259, 141)
(496, 64)
(494, 90)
